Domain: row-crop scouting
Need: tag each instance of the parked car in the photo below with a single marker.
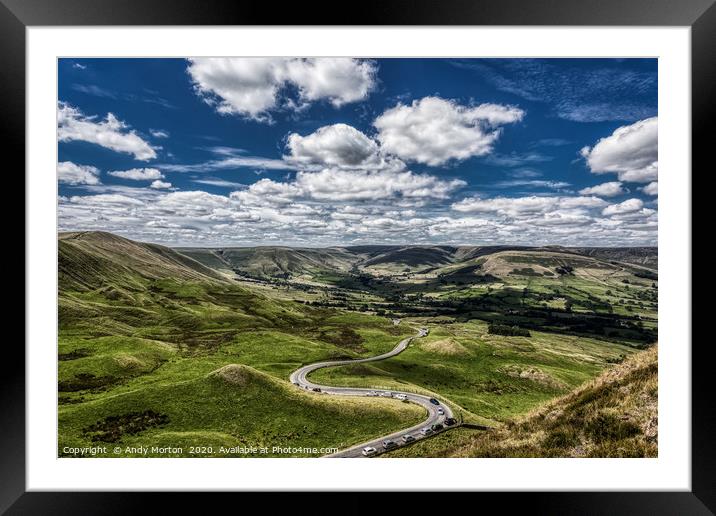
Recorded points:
(316, 389)
(436, 427)
(426, 431)
(434, 401)
(401, 397)
(389, 444)
(450, 421)
(372, 393)
(408, 438)
(387, 394)
(441, 411)
(369, 451)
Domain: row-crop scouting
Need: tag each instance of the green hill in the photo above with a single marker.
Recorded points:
(156, 349)
(275, 261)
(90, 259)
(613, 415)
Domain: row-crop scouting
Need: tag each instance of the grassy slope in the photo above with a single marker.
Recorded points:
(491, 376)
(614, 415)
(142, 328)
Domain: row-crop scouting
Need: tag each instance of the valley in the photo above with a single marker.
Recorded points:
(194, 347)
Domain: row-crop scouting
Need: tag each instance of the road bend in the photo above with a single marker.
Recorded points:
(437, 413)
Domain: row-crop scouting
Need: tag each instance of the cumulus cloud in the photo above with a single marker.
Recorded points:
(349, 185)
(631, 152)
(515, 206)
(272, 212)
(137, 174)
(333, 184)
(160, 185)
(610, 189)
(628, 206)
(73, 174)
(332, 145)
(254, 87)
(110, 133)
(651, 189)
(434, 131)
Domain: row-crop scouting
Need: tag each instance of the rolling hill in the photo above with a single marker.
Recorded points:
(613, 415)
(275, 261)
(89, 259)
(333, 263)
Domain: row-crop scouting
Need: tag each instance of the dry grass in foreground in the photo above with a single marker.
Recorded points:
(614, 415)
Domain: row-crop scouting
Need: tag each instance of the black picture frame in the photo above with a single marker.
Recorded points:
(700, 15)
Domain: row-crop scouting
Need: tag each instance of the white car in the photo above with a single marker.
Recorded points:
(368, 451)
(372, 393)
(407, 438)
(401, 397)
(426, 431)
(387, 394)
(441, 411)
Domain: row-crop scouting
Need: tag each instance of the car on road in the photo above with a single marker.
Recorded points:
(426, 431)
(436, 427)
(369, 451)
(407, 438)
(449, 421)
(387, 394)
(316, 389)
(441, 411)
(434, 401)
(372, 393)
(388, 445)
(401, 397)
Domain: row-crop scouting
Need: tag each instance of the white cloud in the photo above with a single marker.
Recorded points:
(111, 133)
(628, 206)
(138, 174)
(517, 206)
(160, 185)
(73, 174)
(631, 152)
(215, 181)
(433, 130)
(270, 212)
(334, 184)
(229, 161)
(348, 185)
(532, 183)
(159, 133)
(253, 87)
(332, 145)
(103, 200)
(651, 189)
(610, 189)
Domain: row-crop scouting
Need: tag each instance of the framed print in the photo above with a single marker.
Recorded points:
(433, 250)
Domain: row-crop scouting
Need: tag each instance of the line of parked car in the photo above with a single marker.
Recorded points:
(389, 444)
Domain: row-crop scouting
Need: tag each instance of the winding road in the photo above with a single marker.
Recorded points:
(299, 378)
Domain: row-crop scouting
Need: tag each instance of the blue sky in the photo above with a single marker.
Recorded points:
(318, 152)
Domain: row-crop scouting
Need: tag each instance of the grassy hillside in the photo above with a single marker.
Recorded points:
(160, 348)
(492, 377)
(95, 258)
(157, 349)
(614, 415)
(276, 261)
